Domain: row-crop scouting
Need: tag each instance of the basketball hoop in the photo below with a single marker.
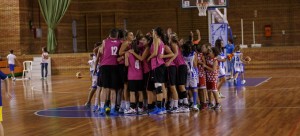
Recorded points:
(202, 7)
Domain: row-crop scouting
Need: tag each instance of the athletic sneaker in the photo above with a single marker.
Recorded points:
(221, 95)
(156, 111)
(164, 110)
(113, 112)
(87, 105)
(195, 108)
(184, 109)
(204, 106)
(121, 110)
(210, 106)
(218, 106)
(243, 82)
(130, 111)
(95, 108)
(14, 79)
(101, 111)
(174, 110)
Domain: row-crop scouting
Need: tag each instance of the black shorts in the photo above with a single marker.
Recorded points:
(182, 75)
(171, 75)
(159, 74)
(122, 75)
(99, 82)
(135, 85)
(109, 76)
(148, 82)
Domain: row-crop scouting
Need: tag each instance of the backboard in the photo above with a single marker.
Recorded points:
(211, 3)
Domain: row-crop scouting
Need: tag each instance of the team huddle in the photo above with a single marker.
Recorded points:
(157, 73)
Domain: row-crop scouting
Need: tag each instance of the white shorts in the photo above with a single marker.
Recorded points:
(94, 81)
(222, 72)
(192, 83)
(239, 68)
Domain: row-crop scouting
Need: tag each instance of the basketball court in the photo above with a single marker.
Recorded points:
(267, 104)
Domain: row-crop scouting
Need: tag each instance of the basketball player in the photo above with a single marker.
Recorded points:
(238, 64)
(135, 80)
(109, 70)
(145, 43)
(126, 45)
(221, 59)
(168, 57)
(182, 72)
(203, 50)
(95, 74)
(158, 67)
(11, 58)
(212, 77)
(6, 86)
(190, 58)
(171, 72)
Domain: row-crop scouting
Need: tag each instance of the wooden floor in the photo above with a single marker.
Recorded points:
(270, 109)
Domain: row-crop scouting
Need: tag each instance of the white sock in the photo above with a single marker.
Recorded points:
(191, 100)
(112, 106)
(185, 101)
(102, 104)
(176, 103)
(172, 103)
(180, 100)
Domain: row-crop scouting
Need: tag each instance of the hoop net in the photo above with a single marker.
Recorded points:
(202, 7)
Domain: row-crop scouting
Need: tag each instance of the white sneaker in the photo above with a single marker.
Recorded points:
(221, 95)
(195, 108)
(243, 82)
(185, 109)
(130, 111)
(14, 79)
(174, 110)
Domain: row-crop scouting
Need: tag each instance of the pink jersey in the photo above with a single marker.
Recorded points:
(157, 61)
(135, 71)
(166, 60)
(110, 52)
(212, 76)
(179, 60)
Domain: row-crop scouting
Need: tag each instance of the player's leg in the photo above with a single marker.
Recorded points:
(217, 100)
(141, 97)
(113, 95)
(105, 79)
(12, 69)
(182, 78)
(158, 81)
(172, 74)
(243, 74)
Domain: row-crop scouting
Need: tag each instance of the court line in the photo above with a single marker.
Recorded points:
(263, 82)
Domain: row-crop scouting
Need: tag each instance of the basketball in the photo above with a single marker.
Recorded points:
(247, 58)
(78, 75)
(229, 56)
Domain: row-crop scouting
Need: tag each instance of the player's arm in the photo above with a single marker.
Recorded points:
(242, 59)
(126, 59)
(195, 60)
(169, 54)
(155, 48)
(221, 60)
(215, 66)
(175, 52)
(123, 48)
(144, 55)
(100, 51)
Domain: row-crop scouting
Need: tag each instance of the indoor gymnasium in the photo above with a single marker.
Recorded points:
(149, 68)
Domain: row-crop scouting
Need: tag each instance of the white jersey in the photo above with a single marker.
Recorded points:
(192, 77)
(45, 56)
(222, 70)
(189, 60)
(92, 63)
(11, 59)
(238, 63)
